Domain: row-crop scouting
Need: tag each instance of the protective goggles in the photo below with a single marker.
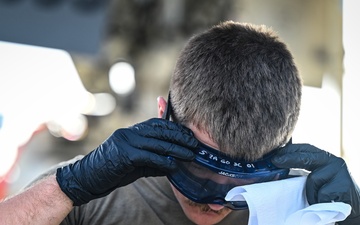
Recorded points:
(212, 174)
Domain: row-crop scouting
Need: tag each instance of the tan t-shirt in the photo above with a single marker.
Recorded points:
(145, 201)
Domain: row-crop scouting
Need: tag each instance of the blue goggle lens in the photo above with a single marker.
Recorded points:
(211, 175)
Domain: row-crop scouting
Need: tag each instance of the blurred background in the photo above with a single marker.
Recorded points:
(73, 71)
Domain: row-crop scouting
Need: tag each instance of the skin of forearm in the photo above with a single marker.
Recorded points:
(42, 204)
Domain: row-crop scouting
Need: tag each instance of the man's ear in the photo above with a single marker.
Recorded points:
(161, 106)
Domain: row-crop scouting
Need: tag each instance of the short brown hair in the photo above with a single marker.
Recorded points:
(239, 83)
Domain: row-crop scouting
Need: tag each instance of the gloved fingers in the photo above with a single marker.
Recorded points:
(339, 191)
(333, 192)
(304, 156)
(169, 149)
(152, 160)
(161, 147)
(166, 130)
(314, 183)
(329, 184)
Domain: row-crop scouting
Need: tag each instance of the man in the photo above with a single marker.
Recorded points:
(233, 104)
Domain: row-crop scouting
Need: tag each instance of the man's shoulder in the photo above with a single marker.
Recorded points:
(52, 170)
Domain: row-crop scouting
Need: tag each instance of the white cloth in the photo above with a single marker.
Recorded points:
(284, 202)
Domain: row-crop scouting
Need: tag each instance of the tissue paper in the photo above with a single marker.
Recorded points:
(284, 202)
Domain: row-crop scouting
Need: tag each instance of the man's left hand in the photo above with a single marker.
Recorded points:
(329, 179)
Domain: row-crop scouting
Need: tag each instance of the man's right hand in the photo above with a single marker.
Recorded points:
(142, 150)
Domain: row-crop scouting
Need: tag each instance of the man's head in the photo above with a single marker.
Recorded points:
(238, 83)
(237, 88)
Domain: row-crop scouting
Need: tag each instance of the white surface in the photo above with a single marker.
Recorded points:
(37, 85)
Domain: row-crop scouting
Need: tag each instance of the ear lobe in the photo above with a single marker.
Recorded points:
(161, 106)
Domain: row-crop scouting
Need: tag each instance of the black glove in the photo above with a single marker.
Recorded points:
(142, 150)
(329, 179)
